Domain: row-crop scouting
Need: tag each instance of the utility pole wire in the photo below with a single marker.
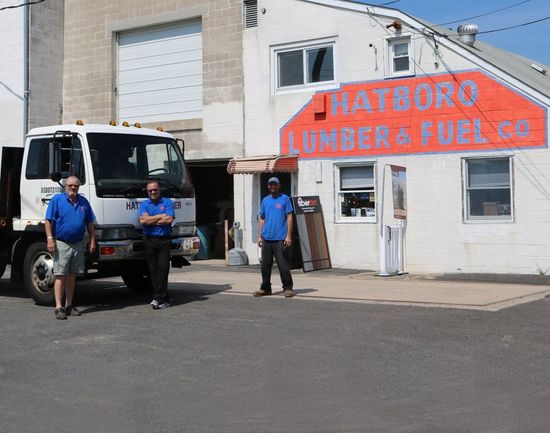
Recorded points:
(21, 5)
(482, 15)
(513, 27)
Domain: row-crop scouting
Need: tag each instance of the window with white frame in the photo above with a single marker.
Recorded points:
(299, 66)
(356, 197)
(400, 56)
(488, 189)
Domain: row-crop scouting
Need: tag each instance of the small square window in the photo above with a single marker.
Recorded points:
(399, 55)
(356, 195)
(488, 189)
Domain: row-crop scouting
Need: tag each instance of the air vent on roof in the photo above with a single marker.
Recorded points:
(539, 68)
(467, 33)
(250, 13)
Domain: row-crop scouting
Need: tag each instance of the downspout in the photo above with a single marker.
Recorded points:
(26, 66)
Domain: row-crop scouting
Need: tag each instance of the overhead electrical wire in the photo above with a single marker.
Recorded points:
(513, 27)
(22, 4)
(485, 14)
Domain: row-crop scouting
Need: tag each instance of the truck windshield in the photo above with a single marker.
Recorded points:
(123, 163)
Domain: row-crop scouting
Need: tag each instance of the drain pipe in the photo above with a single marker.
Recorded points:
(26, 67)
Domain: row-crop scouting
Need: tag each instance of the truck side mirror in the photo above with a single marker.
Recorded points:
(55, 160)
(181, 144)
(60, 155)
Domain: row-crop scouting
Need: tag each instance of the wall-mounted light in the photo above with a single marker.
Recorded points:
(396, 25)
(371, 45)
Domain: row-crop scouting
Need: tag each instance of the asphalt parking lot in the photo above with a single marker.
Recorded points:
(220, 362)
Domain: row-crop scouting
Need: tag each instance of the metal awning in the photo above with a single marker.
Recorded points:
(264, 164)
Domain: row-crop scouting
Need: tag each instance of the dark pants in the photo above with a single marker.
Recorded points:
(277, 249)
(157, 253)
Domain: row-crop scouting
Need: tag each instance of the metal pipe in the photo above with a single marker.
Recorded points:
(26, 66)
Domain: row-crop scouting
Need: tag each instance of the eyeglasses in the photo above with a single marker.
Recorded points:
(152, 190)
(72, 185)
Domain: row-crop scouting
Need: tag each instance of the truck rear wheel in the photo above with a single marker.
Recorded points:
(38, 274)
(138, 281)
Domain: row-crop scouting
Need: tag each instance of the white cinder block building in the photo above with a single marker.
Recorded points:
(347, 89)
(31, 60)
(170, 64)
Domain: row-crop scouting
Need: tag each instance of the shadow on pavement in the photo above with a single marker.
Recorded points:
(102, 295)
(9, 290)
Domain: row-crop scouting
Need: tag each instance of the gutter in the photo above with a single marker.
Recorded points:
(26, 68)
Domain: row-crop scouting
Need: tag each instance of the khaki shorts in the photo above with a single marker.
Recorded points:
(68, 258)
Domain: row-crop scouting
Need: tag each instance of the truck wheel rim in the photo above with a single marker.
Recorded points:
(42, 273)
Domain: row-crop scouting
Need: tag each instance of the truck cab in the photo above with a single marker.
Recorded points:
(114, 164)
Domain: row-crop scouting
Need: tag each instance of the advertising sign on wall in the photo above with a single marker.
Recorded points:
(459, 112)
(313, 236)
(399, 191)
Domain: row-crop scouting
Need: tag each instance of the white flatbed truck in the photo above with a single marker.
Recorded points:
(114, 164)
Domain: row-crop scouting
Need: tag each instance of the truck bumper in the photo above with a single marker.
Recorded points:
(109, 251)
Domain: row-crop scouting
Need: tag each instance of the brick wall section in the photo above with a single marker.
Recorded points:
(89, 72)
(222, 55)
(45, 63)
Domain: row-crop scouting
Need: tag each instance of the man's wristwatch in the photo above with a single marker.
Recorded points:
(50, 237)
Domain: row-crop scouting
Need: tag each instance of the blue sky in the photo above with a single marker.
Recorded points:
(532, 41)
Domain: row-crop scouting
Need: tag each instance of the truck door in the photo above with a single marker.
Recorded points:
(37, 188)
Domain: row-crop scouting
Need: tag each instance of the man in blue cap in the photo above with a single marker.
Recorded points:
(275, 238)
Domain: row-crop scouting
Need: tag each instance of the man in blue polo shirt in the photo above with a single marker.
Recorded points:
(275, 238)
(68, 216)
(156, 215)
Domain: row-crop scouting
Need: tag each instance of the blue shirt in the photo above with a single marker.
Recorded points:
(274, 211)
(69, 220)
(164, 205)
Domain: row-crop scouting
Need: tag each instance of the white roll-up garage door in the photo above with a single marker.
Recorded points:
(160, 73)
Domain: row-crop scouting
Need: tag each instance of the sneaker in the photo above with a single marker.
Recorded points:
(164, 305)
(155, 304)
(72, 311)
(60, 314)
(261, 292)
(288, 293)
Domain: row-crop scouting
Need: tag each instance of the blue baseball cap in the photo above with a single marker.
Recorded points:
(273, 180)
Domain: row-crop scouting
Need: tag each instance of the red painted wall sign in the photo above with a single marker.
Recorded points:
(466, 111)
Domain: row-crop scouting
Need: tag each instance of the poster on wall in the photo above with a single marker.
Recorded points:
(399, 191)
(311, 229)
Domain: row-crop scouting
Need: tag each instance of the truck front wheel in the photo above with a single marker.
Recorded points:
(2, 267)
(137, 280)
(38, 274)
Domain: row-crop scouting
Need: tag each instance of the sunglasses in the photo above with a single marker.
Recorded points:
(152, 190)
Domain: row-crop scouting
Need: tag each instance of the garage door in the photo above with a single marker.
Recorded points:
(160, 73)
